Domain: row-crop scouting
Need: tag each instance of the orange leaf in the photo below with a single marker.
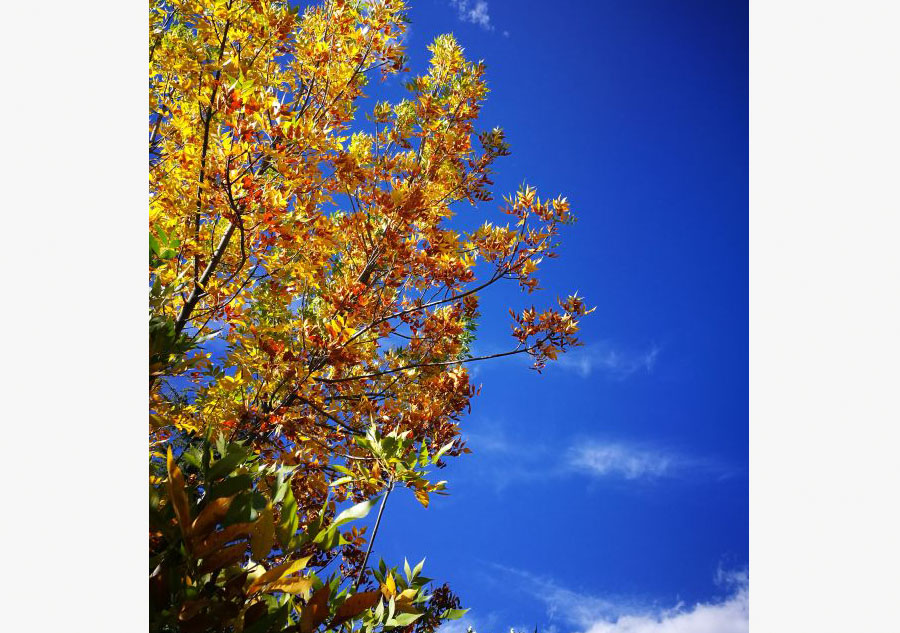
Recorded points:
(315, 611)
(177, 495)
(209, 516)
(354, 605)
(222, 537)
(223, 558)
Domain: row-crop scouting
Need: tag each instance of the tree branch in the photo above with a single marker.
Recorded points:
(418, 365)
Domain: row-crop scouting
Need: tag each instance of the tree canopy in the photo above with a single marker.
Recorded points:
(313, 305)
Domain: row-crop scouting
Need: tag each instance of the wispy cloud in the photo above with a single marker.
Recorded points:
(603, 357)
(585, 613)
(561, 602)
(474, 11)
(621, 460)
(504, 458)
(600, 358)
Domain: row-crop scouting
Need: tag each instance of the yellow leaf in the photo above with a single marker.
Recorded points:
(403, 602)
(300, 585)
(389, 588)
(277, 573)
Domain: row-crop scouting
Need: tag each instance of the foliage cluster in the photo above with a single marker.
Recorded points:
(312, 309)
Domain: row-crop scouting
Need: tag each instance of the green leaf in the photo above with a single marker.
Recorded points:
(224, 466)
(359, 511)
(192, 457)
(288, 524)
(329, 539)
(298, 540)
(403, 619)
(231, 486)
(207, 456)
(342, 480)
(282, 484)
(389, 446)
(245, 508)
(221, 445)
(446, 447)
(453, 614)
(263, 536)
(342, 469)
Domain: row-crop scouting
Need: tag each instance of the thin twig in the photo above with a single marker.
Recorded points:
(362, 570)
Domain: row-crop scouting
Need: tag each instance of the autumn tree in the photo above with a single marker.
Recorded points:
(312, 309)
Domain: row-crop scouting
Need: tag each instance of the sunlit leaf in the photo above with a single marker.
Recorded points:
(277, 573)
(355, 605)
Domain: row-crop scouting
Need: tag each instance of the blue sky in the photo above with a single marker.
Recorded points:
(611, 492)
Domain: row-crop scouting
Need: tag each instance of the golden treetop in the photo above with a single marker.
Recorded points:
(306, 282)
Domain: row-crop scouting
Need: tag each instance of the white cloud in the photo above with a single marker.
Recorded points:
(591, 614)
(475, 12)
(729, 616)
(603, 357)
(620, 460)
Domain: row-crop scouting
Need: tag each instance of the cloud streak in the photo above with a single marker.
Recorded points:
(604, 358)
(601, 358)
(621, 460)
(504, 459)
(476, 12)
